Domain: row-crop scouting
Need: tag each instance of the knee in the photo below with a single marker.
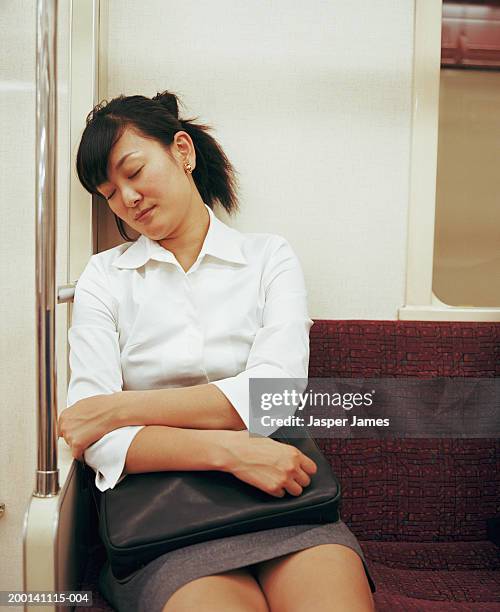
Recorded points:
(236, 590)
(323, 578)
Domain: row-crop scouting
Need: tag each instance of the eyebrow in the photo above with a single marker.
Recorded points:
(120, 162)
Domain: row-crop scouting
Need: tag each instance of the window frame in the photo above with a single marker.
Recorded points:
(420, 301)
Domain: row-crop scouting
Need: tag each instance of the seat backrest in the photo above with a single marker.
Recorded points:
(412, 489)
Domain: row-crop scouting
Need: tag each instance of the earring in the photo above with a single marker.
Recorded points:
(187, 167)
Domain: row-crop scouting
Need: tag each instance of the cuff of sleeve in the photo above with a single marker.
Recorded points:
(237, 388)
(107, 456)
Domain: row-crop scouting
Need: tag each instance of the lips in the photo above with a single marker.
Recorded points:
(141, 214)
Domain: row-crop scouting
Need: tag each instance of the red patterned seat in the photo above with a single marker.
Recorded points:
(418, 506)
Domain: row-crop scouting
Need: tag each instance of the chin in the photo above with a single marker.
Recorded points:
(155, 235)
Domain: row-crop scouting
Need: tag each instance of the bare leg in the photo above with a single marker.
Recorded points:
(322, 578)
(236, 590)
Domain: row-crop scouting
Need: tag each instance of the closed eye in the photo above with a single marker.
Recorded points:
(130, 177)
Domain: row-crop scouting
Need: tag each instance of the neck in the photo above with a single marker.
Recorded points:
(191, 233)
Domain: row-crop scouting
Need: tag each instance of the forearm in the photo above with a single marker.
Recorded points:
(159, 448)
(198, 407)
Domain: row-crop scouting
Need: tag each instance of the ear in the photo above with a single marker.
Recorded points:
(183, 148)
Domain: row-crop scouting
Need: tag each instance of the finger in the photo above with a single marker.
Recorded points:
(308, 465)
(302, 478)
(277, 492)
(60, 430)
(293, 488)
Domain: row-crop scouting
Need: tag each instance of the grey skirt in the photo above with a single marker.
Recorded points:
(148, 589)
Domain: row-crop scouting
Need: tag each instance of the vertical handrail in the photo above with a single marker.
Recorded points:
(47, 475)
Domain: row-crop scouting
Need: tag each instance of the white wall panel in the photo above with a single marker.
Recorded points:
(312, 103)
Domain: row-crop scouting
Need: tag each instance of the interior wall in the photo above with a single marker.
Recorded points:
(312, 103)
(17, 265)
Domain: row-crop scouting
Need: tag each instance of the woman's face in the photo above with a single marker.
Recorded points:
(142, 176)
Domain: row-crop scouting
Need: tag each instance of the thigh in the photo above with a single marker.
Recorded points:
(327, 577)
(236, 590)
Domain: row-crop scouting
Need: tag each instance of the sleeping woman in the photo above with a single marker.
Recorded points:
(166, 332)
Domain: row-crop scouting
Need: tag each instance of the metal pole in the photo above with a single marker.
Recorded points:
(47, 475)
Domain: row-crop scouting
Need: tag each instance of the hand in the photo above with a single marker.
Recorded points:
(269, 465)
(87, 421)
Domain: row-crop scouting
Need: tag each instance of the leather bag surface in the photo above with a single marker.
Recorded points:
(147, 515)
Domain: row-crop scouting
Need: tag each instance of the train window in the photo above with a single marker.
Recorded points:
(466, 266)
(453, 261)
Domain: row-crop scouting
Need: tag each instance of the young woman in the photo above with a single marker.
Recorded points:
(166, 332)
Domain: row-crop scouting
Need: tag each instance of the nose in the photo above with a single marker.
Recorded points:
(131, 198)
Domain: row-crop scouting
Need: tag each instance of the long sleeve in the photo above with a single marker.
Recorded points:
(95, 368)
(281, 346)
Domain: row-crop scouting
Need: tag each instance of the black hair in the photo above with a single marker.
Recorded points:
(156, 118)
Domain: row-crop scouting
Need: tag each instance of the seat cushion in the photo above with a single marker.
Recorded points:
(451, 556)
(435, 576)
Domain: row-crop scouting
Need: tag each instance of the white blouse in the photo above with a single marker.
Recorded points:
(140, 322)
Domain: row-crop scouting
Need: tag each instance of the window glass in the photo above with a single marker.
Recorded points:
(467, 231)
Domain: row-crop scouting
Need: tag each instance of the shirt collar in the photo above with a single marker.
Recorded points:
(221, 241)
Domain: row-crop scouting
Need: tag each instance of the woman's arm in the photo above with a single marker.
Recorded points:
(264, 463)
(160, 448)
(198, 407)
